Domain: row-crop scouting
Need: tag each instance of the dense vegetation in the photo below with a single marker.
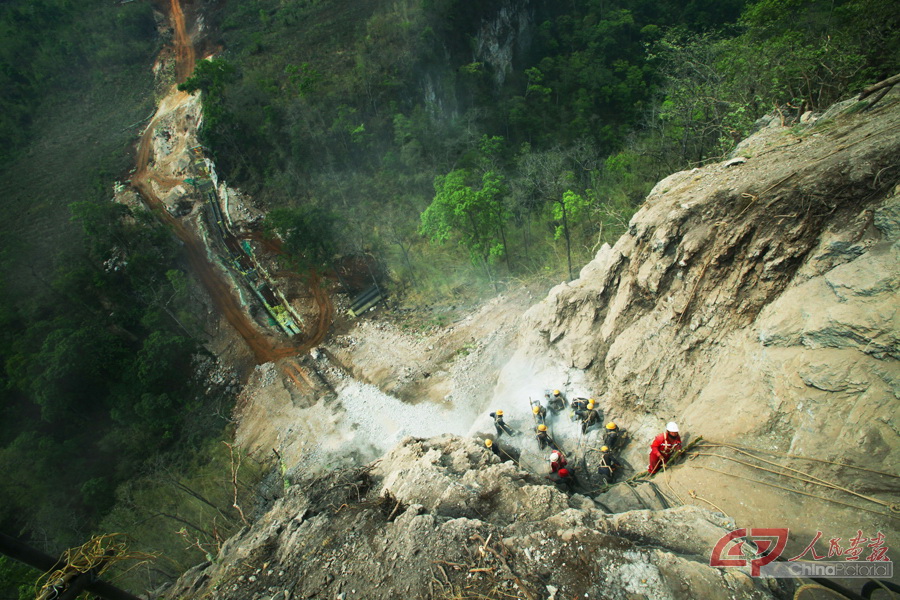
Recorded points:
(372, 126)
(105, 424)
(598, 101)
(47, 46)
(75, 84)
(104, 405)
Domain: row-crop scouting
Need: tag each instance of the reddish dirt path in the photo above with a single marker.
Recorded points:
(185, 57)
(265, 348)
(319, 295)
(326, 312)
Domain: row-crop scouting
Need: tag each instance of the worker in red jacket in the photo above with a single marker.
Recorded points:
(564, 479)
(663, 447)
(557, 461)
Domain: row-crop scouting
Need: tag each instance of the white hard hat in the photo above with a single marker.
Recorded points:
(671, 426)
(554, 456)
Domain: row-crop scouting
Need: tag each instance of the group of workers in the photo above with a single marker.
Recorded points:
(665, 446)
(563, 475)
(583, 409)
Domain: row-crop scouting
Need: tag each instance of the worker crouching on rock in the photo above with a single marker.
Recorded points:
(490, 445)
(608, 465)
(500, 424)
(544, 439)
(556, 400)
(663, 447)
(589, 416)
(578, 405)
(557, 461)
(564, 479)
(611, 437)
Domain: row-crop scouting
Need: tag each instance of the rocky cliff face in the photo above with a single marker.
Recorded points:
(503, 37)
(754, 301)
(501, 33)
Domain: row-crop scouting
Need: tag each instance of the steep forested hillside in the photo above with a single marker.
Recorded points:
(542, 122)
(99, 334)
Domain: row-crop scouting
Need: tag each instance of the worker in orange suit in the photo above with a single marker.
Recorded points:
(663, 447)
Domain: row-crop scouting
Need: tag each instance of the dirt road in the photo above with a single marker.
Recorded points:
(265, 347)
(185, 56)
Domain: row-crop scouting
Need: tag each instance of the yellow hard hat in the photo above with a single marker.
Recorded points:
(590, 404)
(499, 413)
(610, 425)
(542, 427)
(536, 409)
(556, 392)
(488, 443)
(602, 448)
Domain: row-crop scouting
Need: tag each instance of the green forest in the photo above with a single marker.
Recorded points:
(519, 169)
(107, 420)
(374, 128)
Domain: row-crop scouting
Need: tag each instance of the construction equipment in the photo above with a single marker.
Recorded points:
(365, 301)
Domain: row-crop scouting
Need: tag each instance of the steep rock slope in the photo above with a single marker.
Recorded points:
(443, 518)
(755, 302)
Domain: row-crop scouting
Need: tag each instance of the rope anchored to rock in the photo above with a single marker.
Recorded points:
(792, 473)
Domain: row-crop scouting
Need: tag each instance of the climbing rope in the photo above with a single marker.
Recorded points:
(693, 494)
(518, 462)
(807, 478)
(96, 555)
(799, 457)
(669, 483)
(853, 506)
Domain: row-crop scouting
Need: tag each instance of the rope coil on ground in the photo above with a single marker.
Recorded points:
(95, 556)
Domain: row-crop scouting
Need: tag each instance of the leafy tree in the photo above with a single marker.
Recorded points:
(571, 207)
(162, 354)
(475, 217)
(699, 115)
(16, 579)
(304, 78)
(810, 52)
(212, 78)
(396, 227)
